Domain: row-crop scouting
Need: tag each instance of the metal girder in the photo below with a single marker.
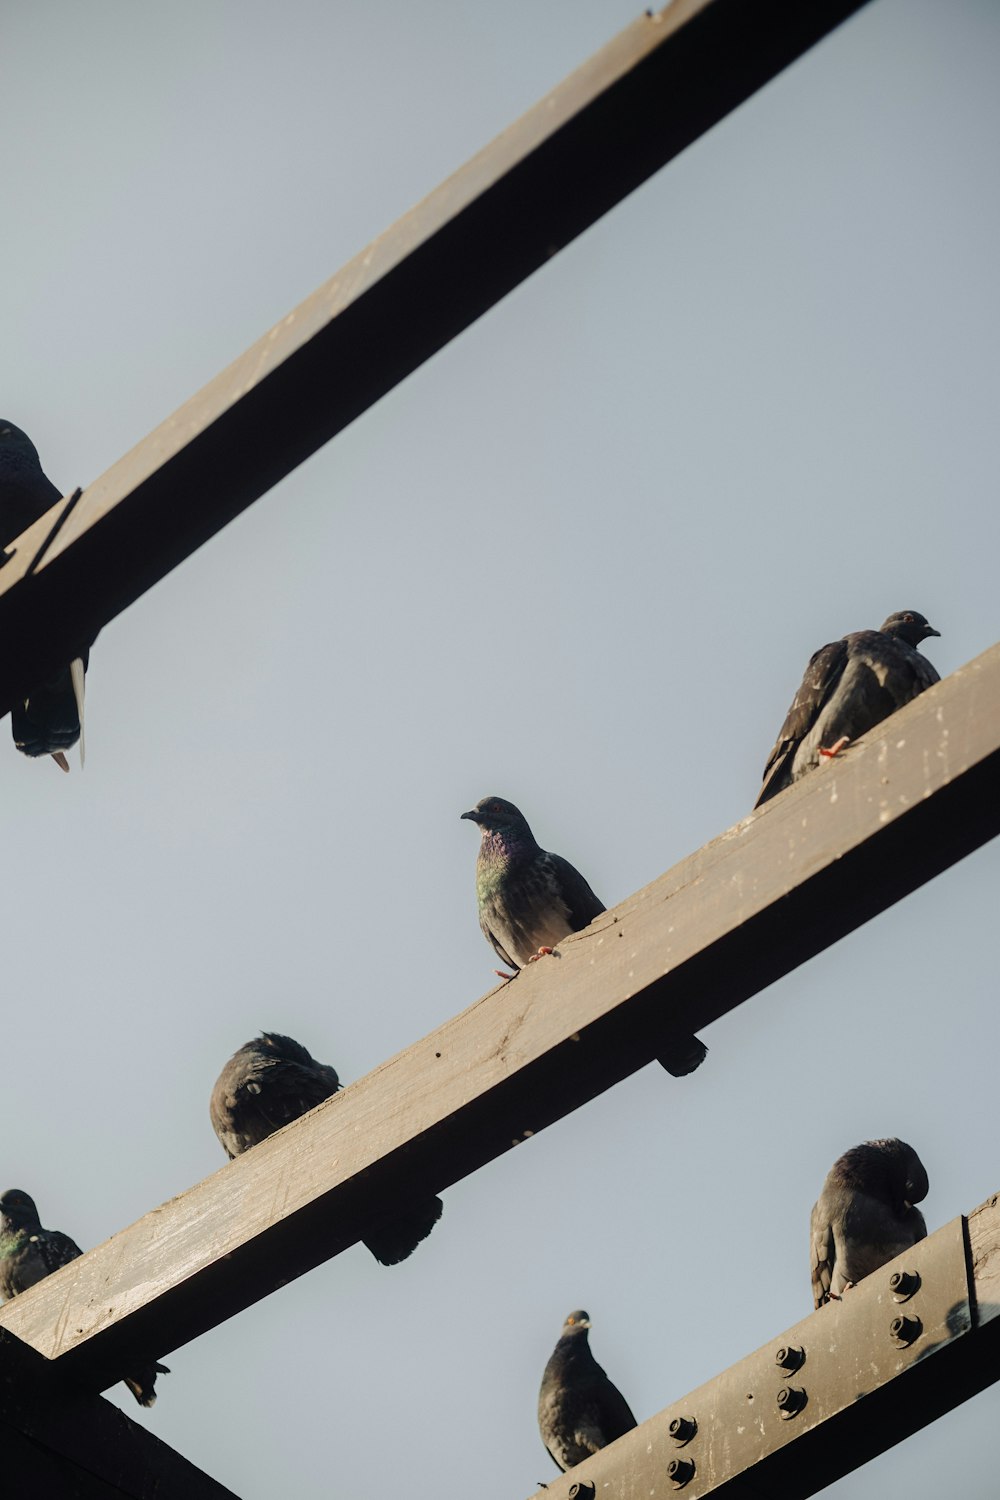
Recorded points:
(791, 878)
(904, 1346)
(634, 105)
(62, 1443)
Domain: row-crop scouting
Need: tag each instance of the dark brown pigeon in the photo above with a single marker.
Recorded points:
(529, 900)
(849, 686)
(865, 1216)
(579, 1410)
(273, 1080)
(29, 1253)
(49, 720)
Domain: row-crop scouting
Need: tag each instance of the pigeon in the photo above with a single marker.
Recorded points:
(865, 1216)
(849, 686)
(272, 1080)
(29, 1253)
(530, 900)
(49, 720)
(579, 1410)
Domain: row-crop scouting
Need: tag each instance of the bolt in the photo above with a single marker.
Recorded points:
(902, 1284)
(680, 1471)
(791, 1400)
(683, 1429)
(904, 1330)
(789, 1357)
(581, 1489)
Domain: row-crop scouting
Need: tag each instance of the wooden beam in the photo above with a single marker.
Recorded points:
(64, 1443)
(851, 1389)
(643, 98)
(774, 890)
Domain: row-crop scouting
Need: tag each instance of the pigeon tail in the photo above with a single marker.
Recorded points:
(143, 1385)
(396, 1239)
(681, 1055)
(77, 674)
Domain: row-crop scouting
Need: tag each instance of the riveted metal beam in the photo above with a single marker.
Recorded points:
(904, 1346)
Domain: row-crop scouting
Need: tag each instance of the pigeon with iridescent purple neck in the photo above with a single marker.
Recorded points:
(849, 686)
(48, 720)
(529, 900)
(271, 1081)
(29, 1253)
(865, 1215)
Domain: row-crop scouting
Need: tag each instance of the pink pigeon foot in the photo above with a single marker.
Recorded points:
(845, 739)
(542, 953)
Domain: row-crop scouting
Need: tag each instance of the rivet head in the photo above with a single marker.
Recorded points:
(902, 1284)
(680, 1471)
(789, 1357)
(791, 1400)
(581, 1489)
(905, 1330)
(683, 1429)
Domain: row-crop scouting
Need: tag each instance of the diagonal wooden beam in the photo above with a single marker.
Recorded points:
(769, 893)
(63, 1443)
(639, 101)
(851, 1385)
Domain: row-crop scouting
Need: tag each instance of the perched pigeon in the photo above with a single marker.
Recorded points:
(865, 1216)
(529, 900)
(579, 1410)
(273, 1080)
(50, 719)
(849, 686)
(29, 1253)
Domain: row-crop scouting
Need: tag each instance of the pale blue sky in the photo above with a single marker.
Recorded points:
(578, 560)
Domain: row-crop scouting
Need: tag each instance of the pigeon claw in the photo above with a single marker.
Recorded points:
(502, 974)
(542, 953)
(845, 739)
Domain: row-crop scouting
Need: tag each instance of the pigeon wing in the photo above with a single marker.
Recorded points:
(823, 1253)
(582, 906)
(616, 1414)
(821, 677)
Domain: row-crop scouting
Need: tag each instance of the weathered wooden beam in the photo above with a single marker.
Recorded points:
(63, 1443)
(831, 1393)
(650, 92)
(774, 890)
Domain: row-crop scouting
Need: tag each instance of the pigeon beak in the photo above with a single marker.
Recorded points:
(932, 631)
(472, 816)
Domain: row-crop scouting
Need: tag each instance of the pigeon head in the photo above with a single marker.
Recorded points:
(494, 815)
(890, 1169)
(577, 1322)
(17, 1210)
(909, 626)
(16, 446)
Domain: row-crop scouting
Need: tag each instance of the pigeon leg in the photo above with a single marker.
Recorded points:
(845, 739)
(502, 974)
(61, 761)
(542, 953)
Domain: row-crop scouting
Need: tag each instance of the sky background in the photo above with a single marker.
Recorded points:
(578, 560)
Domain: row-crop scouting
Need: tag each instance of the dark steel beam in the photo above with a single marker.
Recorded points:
(826, 1396)
(771, 892)
(656, 87)
(63, 1443)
